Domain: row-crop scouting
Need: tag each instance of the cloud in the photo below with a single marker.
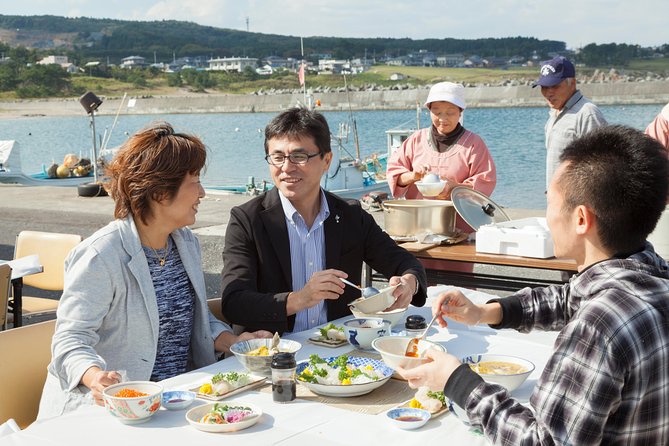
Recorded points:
(576, 22)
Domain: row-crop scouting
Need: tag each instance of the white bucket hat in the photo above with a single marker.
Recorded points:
(449, 92)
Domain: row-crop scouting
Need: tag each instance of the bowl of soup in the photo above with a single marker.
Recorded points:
(508, 371)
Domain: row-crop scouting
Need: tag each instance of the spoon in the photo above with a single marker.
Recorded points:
(412, 346)
(366, 292)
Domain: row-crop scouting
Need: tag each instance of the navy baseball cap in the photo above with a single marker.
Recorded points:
(555, 71)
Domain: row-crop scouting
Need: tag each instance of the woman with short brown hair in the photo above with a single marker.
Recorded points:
(135, 296)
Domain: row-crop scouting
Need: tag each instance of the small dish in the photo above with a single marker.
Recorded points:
(254, 381)
(408, 419)
(177, 399)
(194, 415)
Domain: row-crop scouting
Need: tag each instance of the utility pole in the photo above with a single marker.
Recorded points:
(247, 23)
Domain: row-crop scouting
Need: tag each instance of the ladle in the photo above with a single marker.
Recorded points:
(366, 292)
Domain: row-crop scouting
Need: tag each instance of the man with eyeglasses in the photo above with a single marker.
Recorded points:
(287, 250)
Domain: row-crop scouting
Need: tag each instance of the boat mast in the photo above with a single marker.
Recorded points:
(355, 126)
(304, 84)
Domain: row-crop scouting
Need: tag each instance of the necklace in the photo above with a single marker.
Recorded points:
(162, 259)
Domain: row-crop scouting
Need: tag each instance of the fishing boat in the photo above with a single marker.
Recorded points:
(11, 172)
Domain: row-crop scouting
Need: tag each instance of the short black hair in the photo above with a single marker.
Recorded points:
(621, 174)
(299, 122)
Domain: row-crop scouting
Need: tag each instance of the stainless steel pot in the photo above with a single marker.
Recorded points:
(411, 217)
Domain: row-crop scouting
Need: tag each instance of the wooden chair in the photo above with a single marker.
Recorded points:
(5, 287)
(26, 353)
(51, 248)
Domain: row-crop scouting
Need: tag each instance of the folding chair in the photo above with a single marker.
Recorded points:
(51, 248)
(26, 353)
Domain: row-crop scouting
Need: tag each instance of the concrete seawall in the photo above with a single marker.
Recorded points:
(649, 92)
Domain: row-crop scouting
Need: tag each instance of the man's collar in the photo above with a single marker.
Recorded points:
(290, 211)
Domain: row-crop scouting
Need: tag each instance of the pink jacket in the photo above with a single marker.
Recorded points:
(468, 161)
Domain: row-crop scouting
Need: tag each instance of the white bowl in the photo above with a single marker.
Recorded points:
(509, 380)
(430, 189)
(375, 303)
(196, 413)
(177, 399)
(351, 389)
(260, 365)
(360, 332)
(394, 316)
(399, 417)
(392, 349)
(134, 409)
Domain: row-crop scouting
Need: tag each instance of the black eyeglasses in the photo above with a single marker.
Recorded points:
(299, 158)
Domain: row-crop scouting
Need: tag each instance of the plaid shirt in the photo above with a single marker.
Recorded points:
(607, 381)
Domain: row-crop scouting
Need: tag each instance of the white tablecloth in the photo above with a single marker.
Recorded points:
(299, 422)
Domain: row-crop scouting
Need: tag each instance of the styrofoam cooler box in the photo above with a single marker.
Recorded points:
(527, 237)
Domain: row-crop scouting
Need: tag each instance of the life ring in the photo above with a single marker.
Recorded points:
(91, 190)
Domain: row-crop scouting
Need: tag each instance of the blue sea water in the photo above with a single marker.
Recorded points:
(235, 141)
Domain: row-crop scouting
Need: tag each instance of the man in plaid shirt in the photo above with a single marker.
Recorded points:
(607, 380)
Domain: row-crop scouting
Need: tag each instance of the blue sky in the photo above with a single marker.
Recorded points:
(576, 22)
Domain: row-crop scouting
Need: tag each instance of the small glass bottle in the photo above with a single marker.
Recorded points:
(283, 377)
(415, 325)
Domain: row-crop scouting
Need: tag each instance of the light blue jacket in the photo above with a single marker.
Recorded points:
(108, 314)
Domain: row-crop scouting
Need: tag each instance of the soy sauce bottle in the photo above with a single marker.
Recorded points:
(283, 377)
(415, 325)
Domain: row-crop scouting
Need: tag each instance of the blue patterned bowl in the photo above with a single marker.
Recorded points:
(350, 389)
(360, 332)
(177, 399)
(408, 418)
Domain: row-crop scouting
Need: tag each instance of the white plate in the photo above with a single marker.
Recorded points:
(256, 380)
(351, 389)
(196, 413)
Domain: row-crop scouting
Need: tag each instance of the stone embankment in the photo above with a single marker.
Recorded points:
(507, 94)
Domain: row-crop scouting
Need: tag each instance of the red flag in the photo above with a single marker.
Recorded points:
(300, 74)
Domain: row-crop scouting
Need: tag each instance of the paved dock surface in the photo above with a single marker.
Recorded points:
(59, 209)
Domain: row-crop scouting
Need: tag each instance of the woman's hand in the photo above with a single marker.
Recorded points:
(97, 380)
(223, 342)
(254, 335)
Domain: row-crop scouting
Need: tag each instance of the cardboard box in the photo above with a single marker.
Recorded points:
(527, 237)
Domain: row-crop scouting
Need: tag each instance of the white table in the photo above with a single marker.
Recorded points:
(299, 422)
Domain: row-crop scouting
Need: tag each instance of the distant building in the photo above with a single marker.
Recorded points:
(238, 64)
(334, 66)
(398, 61)
(279, 62)
(133, 62)
(451, 60)
(60, 60)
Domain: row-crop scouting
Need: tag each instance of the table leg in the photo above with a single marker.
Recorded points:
(17, 311)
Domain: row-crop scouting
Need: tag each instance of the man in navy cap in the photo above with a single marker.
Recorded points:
(572, 115)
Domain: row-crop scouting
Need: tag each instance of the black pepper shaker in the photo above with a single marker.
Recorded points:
(283, 377)
(415, 325)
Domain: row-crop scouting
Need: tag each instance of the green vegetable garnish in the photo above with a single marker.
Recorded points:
(439, 395)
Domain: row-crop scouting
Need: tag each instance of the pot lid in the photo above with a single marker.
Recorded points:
(475, 208)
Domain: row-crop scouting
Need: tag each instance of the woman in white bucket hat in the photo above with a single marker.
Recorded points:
(446, 148)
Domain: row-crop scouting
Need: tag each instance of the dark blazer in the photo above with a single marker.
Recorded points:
(257, 274)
